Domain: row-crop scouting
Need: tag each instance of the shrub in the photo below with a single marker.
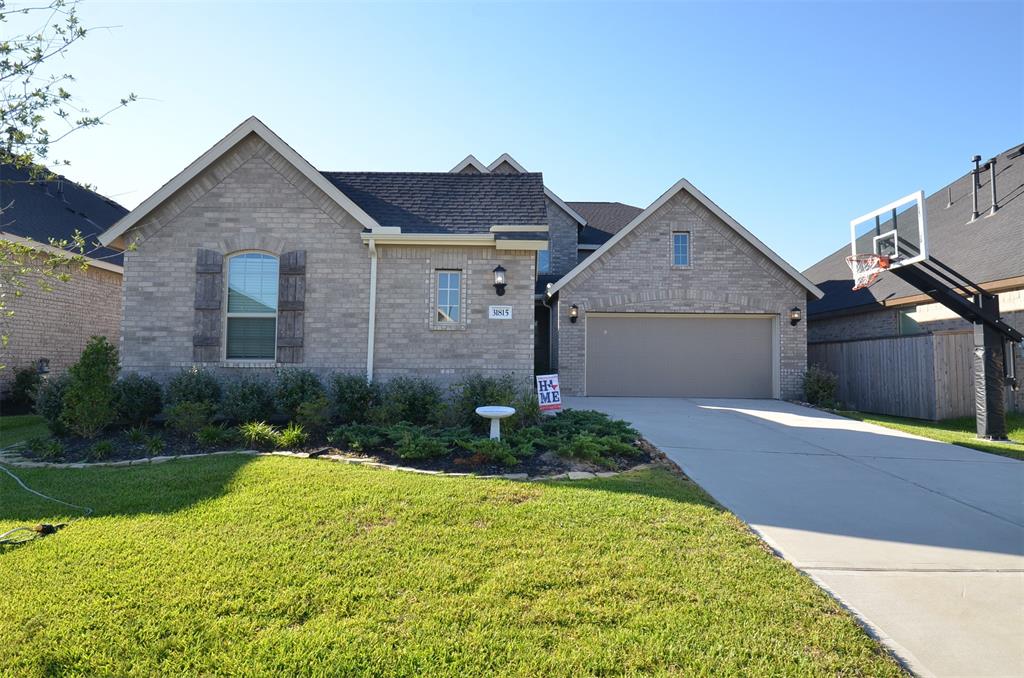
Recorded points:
(155, 445)
(411, 400)
(259, 434)
(491, 450)
(50, 402)
(211, 436)
(193, 386)
(248, 399)
(357, 437)
(89, 396)
(136, 399)
(46, 449)
(573, 422)
(477, 391)
(313, 415)
(24, 386)
(295, 387)
(292, 437)
(101, 449)
(353, 397)
(137, 435)
(188, 417)
(416, 442)
(820, 387)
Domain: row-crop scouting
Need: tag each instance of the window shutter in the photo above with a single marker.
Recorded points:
(206, 336)
(291, 306)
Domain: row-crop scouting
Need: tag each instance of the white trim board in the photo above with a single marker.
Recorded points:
(682, 185)
(50, 249)
(252, 125)
(470, 161)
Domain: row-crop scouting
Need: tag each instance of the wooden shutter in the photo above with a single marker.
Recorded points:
(291, 306)
(206, 336)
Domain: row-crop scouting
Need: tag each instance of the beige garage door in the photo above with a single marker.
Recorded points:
(652, 354)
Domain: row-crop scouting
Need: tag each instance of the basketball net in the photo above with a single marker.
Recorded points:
(866, 268)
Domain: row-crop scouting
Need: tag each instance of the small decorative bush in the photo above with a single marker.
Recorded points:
(573, 422)
(212, 437)
(193, 386)
(136, 399)
(248, 399)
(353, 397)
(314, 415)
(101, 449)
(89, 396)
(24, 386)
(477, 391)
(416, 442)
(293, 436)
(260, 435)
(137, 435)
(490, 450)
(410, 400)
(154, 446)
(188, 417)
(47, 449)
(820, 387)
(357, 437)
(295, 387)
(50, 402)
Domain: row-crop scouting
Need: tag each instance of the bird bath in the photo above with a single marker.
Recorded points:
(495, 413)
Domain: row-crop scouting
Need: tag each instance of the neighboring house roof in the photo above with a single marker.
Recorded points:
(684, 185)
(442, 202)
(986, 250)
(604, 219)
(39, 210)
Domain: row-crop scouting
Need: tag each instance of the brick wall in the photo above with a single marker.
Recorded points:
(253, 199)
(726, 275)
(57, 324)
(563, 239)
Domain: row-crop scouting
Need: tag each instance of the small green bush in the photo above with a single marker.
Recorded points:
(24, 386)
(357, 437)
(188, 417)
(572, 422)
(154, 446)
(260, 435)
(137, 399)
(416, 442)
(248, 399)
(50, 402)
(89, 396)
(491, 450)
(101, 449)
(411, 400)
(137, 435)
(820, 387)
(353, 397)
(47, 449)
(216, 436)
(292, 437)
(193, 385)
(476, 391)
(314, 415)
(295, 387)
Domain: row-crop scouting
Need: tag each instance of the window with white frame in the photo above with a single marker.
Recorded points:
(252, 307)
(680, 248)
(449, 296)
(543, 261)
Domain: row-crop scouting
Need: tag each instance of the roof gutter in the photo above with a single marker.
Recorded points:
(50, 249)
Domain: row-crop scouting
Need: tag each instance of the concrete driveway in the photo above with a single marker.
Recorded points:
(923, 540)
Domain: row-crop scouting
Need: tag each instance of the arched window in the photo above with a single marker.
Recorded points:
(252, 307)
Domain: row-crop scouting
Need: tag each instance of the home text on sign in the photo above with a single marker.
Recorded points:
(548, 394)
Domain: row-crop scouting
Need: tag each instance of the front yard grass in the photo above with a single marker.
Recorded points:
(21, 427)
(959, 431)
(237, 565)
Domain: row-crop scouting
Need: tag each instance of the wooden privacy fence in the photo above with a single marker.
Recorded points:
(925, 376)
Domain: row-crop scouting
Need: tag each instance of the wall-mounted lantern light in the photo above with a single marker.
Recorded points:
(43, 366)
(795, 316)
(574, 313)
(499, 280)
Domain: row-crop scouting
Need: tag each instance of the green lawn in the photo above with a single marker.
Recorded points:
(272, 566)
(960, 431)
(21, 427)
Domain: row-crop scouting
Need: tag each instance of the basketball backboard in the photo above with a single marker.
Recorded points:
(898, 231)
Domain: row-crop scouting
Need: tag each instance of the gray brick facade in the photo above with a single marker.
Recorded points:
(563, 239)
(727, 275)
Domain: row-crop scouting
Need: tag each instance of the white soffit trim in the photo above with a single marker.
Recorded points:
(470, 161)
(46, 247)
(252, 125)
(681, 185)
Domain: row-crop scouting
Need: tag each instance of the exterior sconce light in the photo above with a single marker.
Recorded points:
(795, 316)
(574, 313)
(499, 280)
(43, 366)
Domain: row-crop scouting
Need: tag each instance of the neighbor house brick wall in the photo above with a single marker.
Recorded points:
(869, 325)
(57, 324)
(563, 239)
(726, 275)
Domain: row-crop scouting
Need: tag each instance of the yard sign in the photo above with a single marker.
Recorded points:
(548, 394)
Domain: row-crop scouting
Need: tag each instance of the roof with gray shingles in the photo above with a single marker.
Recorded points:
(604, 219)
(55, 209)
(991, 248)
(442, 202)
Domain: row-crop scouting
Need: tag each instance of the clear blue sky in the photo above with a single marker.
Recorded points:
(793, 117)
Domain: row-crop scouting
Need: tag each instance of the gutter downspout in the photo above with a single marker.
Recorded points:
(371, 327)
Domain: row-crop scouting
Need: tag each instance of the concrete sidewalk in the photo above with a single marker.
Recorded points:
(923, 540)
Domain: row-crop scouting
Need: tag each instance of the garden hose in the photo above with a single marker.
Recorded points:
(42, 529)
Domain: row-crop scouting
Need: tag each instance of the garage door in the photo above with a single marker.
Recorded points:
(652, 354)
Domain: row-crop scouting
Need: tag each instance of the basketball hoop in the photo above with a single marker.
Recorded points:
(866, 268)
